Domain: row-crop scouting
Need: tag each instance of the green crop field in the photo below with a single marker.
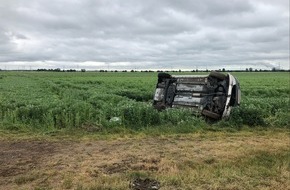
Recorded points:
(116, 101)
(98, 130)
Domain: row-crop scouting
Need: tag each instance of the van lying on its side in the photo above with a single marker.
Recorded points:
(210, 95)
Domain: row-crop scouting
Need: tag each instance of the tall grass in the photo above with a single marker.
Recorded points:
(110, 100)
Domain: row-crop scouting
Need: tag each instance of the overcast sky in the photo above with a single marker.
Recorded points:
(133, 34)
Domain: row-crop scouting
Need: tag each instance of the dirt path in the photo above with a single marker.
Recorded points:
(29, 164)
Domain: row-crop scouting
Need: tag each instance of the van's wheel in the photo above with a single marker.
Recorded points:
(217, 75)
(164, 75)
(210, 114)
(159, 106)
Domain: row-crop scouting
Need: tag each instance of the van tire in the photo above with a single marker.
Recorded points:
(164, 75)
(210, 114)
(217, 75)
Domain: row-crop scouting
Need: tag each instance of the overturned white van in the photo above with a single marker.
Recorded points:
(211, 95)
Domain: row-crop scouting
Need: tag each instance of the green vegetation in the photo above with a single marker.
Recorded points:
(102, 125)
(114, 102)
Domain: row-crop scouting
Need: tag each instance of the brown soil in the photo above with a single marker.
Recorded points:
(59, 164)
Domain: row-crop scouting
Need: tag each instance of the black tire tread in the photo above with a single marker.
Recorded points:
(210, 114)
(164, 75)
(217, 75)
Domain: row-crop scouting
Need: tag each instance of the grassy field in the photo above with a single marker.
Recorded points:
(51, 101)
(59, 131)
(202, 160)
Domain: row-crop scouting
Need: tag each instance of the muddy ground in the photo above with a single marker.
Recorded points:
(65, 164)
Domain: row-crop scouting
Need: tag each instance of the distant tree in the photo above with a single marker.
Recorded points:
(83, 70)
(247, 70)
(250, 69)
(224, 70)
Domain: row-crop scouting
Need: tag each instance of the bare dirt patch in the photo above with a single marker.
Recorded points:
(29, 164)
(21, 157)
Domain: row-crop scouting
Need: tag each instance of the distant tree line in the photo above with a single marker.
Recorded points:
(158, 71)
(59, 70)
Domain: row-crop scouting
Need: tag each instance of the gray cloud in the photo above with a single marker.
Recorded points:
(134, 34)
